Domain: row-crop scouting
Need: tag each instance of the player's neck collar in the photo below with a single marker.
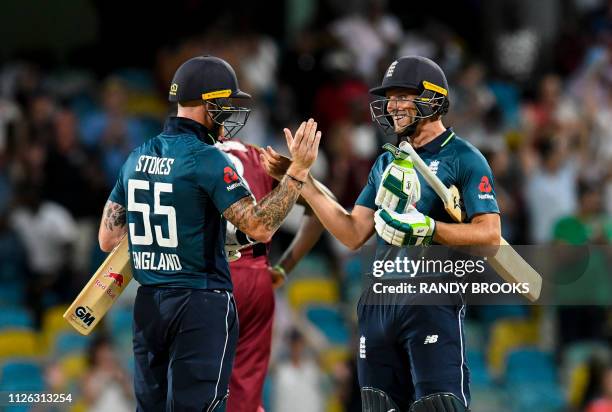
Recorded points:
(439, 142)
(181, 125)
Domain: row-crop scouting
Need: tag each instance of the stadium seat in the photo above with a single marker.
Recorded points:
(70, 343)
(479, 374)
(15, 318)
(474, 335)
(12, 293)
(541, 397)
(73, 366)
(17, 371)
(491, 314)
(303, 292)
(505, 336)
(52, 324)
(488, 399)
(120, 321)
(330, 322)
(18, 343)
(527, 365)
(574, 369)
(21, 376)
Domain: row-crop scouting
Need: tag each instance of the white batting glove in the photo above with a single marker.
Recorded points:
(399, 188)
(404, 229)
(235, 240)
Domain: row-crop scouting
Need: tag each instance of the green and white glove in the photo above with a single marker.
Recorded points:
(404, 229)
(399, 188)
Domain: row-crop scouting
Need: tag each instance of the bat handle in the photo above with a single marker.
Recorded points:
(428, 175)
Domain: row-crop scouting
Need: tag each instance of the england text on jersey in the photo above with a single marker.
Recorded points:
(156, 261)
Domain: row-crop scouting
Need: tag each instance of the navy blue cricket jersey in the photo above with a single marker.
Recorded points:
(455, 162)
(175, 188)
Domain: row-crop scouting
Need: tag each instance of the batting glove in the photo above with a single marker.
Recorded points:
(235, 240)
(399, 188)
(404, 229)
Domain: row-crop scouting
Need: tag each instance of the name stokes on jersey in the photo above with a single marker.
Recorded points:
(154, 165)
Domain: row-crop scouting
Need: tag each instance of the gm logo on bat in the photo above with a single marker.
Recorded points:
(84, 315)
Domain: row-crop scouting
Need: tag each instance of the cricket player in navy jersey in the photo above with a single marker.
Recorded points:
(173, 197)
(412, 357)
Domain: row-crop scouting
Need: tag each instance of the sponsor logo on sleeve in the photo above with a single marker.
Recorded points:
(231, 178)
(229, 175)
(485, 189)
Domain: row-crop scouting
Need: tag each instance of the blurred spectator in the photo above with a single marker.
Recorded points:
(551, 113)
(106, 386)
(348, 171)
(41, 110)
(516, 46)
(73, 177)
(13, 258)
(550, 189)
(589, 225)
(298, 380)
(507, 188)
(603, 401)
(48, 232)
(55, 382)
(112, 129)
(46, 228)
(471, 100)
(342, 96)
(369, 36)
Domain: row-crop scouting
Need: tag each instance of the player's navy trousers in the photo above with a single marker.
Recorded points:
(410, 349)
(184, 344)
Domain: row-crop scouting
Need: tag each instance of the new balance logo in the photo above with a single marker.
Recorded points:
(431, 339)
(362, 347)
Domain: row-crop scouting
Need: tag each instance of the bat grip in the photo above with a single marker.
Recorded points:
(428, 175)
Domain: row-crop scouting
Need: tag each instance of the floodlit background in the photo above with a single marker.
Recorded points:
(83, 82)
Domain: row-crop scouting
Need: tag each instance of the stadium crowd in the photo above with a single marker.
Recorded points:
(537, 104)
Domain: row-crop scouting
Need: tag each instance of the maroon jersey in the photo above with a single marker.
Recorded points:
(246, 159)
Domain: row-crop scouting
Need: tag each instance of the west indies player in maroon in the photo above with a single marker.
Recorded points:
(254, 281)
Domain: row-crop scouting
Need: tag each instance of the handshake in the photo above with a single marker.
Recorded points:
(398, 222)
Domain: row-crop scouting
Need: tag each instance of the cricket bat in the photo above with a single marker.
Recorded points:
(506, 262)
(99, 294)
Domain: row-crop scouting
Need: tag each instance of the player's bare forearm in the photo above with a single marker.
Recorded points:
(307, 236)
(261, 220)
(483, 230)
(112, 226)
(352, 229)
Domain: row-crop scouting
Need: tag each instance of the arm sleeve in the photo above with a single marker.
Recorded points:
(118, 193)
(477, 186)
(218, 177)
(368, 194)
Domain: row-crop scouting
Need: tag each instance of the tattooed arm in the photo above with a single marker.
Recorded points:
(112, 226)
(260, 220)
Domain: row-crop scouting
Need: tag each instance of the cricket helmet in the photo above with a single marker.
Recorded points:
(214, 81)
(418, 74)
